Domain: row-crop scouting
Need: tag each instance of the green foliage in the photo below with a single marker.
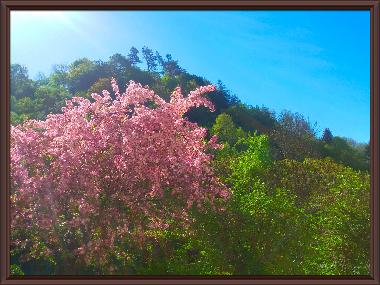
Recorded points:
(16, 270)
(40, 262)
(82, 74)
(342, 221)
(259, 232)
(100, 85)
(133, 56)
(226, 130)
(47, 99)
(251, 161)
(252, 119)
(327, 136)
(343, 152)
(20, 84)
(336, 198)
(150, 59)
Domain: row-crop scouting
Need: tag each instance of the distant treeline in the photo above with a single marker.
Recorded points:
(291, 135)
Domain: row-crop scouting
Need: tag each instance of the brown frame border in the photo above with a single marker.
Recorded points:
(8, 5)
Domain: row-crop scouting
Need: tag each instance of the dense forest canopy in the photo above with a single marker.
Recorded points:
(299, 203)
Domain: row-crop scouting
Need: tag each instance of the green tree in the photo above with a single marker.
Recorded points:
(118, 65)
(294, 137)
(50, 99)
(327, 136)
(169, 66)
(252, 119)
(342, 151)
(82, 74)
(60, 75)
(100, 85)
(150, 59)
(226, 130)
(20, 84)
(133, 56)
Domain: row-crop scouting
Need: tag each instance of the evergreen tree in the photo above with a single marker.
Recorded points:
(133, 56)
(327, 136)
(150, 59)
(171, 67)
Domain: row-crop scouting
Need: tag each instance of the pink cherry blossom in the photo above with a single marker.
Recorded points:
(102, 167)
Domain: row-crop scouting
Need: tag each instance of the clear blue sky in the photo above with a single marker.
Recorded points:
(316, 63)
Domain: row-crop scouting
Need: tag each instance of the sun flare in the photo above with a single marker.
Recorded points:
(28, 16)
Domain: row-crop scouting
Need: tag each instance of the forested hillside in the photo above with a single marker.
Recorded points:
(298, 202)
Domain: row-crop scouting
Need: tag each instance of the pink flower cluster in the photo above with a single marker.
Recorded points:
(100, 167)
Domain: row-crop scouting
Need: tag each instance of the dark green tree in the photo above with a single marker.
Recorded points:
(150, 59)
(343, 151)
(327, 136)
(161, 62)
(20, 84)
(118, 64)
(252, 119)
(133, 56)
(171, 67)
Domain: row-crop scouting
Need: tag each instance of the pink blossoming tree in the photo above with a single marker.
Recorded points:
(86, 178)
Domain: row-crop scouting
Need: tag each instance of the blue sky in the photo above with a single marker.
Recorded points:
(316, 63)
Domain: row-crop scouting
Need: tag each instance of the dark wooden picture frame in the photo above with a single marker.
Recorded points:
(10, 5)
